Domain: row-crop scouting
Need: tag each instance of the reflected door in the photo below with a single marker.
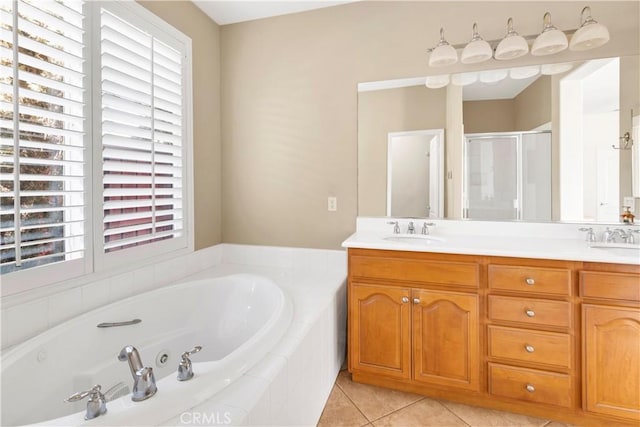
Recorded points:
(491, 177)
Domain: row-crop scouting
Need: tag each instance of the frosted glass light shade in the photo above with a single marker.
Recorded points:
(437, 82)
(512, 45)
(464, 79)
(524, 72)
(590, 35)
(493, 76)
(551, 40)
(477, 50)
(551, 69)
(443, 54)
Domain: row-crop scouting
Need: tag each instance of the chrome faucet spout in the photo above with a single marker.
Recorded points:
(144, 382)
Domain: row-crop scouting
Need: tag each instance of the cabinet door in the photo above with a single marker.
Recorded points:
(445, 339)
(380, 334)
(612, 360)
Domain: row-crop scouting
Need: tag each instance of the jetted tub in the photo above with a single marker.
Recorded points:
(236, 319)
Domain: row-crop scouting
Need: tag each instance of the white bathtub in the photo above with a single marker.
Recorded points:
(236, 319)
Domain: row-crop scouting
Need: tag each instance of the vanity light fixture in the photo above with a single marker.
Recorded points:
(591, 34)
(443, 54)
(477, 50)
(493, 76)
(512, 45)
(551, 40)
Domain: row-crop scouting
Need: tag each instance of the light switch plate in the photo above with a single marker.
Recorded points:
(332, 204)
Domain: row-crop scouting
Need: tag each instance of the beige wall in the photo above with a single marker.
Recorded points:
(205, 36)
(533, 105)
(289, 100)
(495, 115)
(629, 100)
(381, 112)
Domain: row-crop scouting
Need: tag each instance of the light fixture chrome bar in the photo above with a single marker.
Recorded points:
(494, 42)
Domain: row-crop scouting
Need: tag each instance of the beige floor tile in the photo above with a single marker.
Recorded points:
(425, 413)
(374, 402)
(340, 411)
(482, 417)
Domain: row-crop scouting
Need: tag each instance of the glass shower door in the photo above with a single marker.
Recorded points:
(492, 177)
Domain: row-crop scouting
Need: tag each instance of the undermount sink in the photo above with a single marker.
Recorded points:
(621, 249)
(418, 239)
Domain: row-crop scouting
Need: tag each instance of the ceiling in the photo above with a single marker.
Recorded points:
(233, 11)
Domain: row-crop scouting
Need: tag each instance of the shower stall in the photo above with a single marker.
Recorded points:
(507, 176)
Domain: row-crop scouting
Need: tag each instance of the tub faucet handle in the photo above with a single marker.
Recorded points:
(97, 404)
(185, 368)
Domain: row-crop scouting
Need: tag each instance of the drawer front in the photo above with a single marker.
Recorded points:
(529, 311)
(523, 345)
(614, 286)
(530, 385)
(451, 273)
(556, 281)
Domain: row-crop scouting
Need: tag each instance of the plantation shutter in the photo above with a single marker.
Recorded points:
(42, 133)
(142, 136)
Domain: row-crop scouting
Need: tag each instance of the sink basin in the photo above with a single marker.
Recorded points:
(620, 249)
(417, 239)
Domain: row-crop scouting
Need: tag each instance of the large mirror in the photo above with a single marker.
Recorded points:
(536, 145)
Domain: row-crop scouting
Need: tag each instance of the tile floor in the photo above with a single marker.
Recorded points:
(353, 405)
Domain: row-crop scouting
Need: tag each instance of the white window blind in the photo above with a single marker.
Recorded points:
(42, 133)
(142, 136)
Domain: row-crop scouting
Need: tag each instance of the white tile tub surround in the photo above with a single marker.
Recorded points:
(509, 238)
(290, 385)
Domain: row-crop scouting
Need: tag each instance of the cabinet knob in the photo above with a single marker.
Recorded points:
(530, 281)
(529, 348)
(530, 388)
(405, 300)
(416, 300)
(530, 313)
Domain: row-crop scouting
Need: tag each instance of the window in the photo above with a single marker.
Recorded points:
(117, 133)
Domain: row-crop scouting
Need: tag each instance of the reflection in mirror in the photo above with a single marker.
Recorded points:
(575, 112)
(415, 185)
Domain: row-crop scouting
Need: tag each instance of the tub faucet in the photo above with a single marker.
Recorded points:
(97, 404)
(144, 383)
(185, 368)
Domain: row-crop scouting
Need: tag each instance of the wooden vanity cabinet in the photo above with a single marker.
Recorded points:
(611, 342)
(409, 320)
(547, 338)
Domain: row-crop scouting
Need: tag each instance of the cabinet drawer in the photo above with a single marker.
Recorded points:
(615, 286)
(530, 346)
(529, 311)
(530, 385)
(413, 270)
(556, 281)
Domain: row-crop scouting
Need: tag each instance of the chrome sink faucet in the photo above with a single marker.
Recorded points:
(144, 382)
(411, 229)
(396, 226)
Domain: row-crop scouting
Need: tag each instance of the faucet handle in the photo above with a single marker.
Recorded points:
(591, 236)
(396, 226)
(425, 227)
(97, 404)
(185, 368)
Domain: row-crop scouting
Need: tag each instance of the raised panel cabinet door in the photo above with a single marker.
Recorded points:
(612, 360)
(380, 335)
(445, 339)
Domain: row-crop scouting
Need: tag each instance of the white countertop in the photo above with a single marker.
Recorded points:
(542, 241)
